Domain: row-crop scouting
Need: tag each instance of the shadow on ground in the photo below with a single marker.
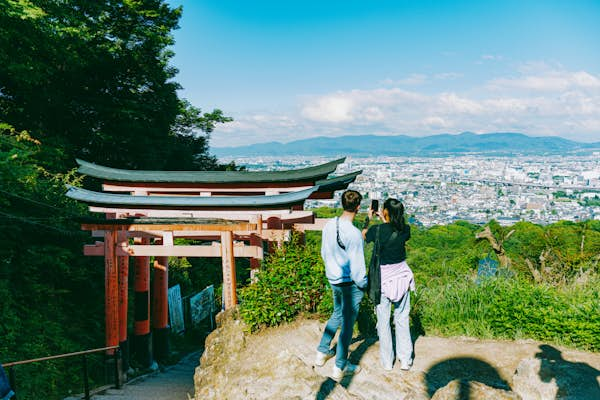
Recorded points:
(573, 379)
(465, 370)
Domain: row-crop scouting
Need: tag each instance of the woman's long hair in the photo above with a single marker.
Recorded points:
(396, 212)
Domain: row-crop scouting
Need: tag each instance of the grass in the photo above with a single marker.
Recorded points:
(563, 308)
(512, 309)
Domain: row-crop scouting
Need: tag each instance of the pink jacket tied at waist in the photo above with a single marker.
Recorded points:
(396, 280)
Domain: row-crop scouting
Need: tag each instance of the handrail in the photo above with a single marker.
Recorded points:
(116, 354)
(78, 353)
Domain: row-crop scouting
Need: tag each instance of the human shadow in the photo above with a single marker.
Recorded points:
(575, 380)
(465, 370)
(416, 329)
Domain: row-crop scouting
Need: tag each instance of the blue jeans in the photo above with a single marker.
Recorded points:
(346, 302)
(404, 345)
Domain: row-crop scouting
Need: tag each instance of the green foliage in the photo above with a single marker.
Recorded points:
(79, 79)
(42, 272)
(591, 201)
(327, 212)
(290, 282)
(448, 301)
(92, 80)
(513, 309)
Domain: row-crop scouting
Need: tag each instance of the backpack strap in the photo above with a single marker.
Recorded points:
(337, 231)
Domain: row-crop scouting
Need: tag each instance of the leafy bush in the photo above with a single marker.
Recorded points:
(448, 301)
(291, 282)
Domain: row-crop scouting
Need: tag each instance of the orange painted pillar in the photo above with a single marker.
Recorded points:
(160, 307)
(123, 267)
(143, 336)
(228, 262)
(111, 290)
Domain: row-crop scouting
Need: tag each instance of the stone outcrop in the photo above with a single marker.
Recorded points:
(277, 363)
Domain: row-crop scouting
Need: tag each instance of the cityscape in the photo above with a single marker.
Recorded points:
(473, 188)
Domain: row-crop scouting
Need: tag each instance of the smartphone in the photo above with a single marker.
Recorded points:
(375, 205)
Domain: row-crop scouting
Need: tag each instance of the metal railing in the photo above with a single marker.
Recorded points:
(86, 390)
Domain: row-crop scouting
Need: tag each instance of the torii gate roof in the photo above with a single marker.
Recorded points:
(313, 173)
(274, 201)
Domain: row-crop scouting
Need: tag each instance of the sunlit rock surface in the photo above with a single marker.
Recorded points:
(277, 363)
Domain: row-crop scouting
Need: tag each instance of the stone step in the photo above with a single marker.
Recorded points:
(174, 383)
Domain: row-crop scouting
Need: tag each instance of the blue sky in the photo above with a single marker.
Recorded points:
(287, 70)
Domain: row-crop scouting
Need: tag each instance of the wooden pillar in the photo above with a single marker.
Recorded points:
(273, 223)
(160, 307)
(143, 336)
(111, 290)
(255, 240)
(123, 268)
(228, 260)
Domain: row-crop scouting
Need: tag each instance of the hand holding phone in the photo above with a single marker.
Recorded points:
(375, 205)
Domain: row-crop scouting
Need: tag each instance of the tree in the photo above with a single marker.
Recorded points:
(42, 271)
(497, 244)
(92, 79)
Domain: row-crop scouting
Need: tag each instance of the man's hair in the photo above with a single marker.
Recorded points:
(350, 200)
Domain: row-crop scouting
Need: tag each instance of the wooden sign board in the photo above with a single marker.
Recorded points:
(176, 310)
(202, 305)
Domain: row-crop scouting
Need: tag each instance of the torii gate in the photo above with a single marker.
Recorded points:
(230, 208)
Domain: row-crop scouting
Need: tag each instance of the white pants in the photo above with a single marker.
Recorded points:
(404, 347)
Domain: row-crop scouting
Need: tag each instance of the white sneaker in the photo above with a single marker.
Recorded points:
(349, 369)
(321, 358)
(405, 365)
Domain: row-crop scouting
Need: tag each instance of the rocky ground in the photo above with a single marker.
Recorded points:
(278, 364)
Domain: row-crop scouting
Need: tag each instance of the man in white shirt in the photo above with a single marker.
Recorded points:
(342, 252)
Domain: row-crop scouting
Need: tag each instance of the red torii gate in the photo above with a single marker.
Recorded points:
(230, 208)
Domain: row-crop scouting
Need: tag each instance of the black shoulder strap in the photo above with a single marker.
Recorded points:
(337, 231)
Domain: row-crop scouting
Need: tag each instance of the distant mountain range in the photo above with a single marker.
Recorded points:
(402, 145)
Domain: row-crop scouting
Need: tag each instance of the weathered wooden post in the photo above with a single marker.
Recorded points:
(228, 262)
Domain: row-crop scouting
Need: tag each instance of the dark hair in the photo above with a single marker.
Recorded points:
(396, 212)
(350, 200)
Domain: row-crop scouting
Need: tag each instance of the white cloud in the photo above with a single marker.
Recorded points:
(357, 106)
(333, 108)
(538, 99)
(411, 80)
(448, 75)
(492, 57)
(541, 77)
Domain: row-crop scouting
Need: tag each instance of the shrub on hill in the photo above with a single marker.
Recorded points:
(561, 306)
(291, 282)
